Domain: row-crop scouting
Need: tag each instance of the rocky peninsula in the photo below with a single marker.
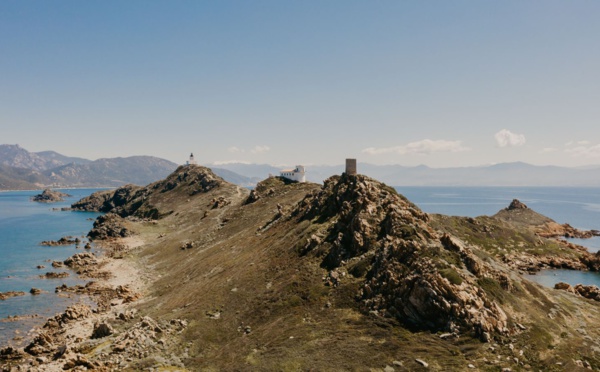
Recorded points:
(200, 274)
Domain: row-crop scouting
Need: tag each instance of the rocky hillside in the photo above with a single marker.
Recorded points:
(139, 170)
(345, 276)
(21, 169)
(20, 179)
(17, 157)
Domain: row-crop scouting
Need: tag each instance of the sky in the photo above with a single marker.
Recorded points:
(439, 83)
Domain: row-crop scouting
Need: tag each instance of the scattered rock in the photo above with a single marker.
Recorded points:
(54, 275)
(65, 240)
(35, 291)
(9, 294)
(102, 330)
(422, 362)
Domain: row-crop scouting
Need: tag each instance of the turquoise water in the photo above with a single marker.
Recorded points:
(23, 225)
(549, 278)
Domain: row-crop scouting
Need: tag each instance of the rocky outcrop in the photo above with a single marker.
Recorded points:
(65, 240)
(518, 214)
(588, 291)
(555, 230)
(9, 294)
(100, 201)
(109, 226)
(516, 204)
(410, 274)
(79, 260)
(102, 330)
(131, 200)
(50, 196)
(54, 275)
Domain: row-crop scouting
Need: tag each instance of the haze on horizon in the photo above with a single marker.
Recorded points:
(438, 83)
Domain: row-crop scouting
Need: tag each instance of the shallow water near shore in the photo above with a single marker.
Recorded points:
(23, 225)
(550, 277)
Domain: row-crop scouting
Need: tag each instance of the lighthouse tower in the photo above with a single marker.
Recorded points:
(192, 160)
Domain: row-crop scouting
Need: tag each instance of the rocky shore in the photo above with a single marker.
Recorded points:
(59, 343)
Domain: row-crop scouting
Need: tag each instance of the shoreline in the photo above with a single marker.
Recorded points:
(65, 188)
(114, 284)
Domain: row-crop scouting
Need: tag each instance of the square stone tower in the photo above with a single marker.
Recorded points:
(351, 167)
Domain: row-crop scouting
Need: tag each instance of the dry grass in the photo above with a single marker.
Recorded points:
(246, 265)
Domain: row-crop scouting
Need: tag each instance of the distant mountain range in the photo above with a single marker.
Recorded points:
(24, 170)
(504, 174)
(21, 169)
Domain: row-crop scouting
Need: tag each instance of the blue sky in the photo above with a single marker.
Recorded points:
(441, 83)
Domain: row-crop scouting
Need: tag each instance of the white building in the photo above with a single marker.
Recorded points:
(297, 174)
(192, 160)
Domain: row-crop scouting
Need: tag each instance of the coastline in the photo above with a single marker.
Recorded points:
(116, 284)
(64, 188)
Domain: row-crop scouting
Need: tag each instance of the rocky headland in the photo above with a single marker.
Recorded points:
(199, 274)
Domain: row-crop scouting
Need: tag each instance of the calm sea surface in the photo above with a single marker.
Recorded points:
(577, 206)
(23, 225)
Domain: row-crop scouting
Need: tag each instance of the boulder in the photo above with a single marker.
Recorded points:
(102, 330)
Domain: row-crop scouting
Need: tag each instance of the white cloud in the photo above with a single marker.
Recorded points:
(548, 150)
(506, 138)
(592, 151)
(260, 149)
(255, 150)
(425, 146)
(225, 162)
(235, 150)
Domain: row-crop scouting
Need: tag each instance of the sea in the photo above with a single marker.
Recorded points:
(24, 224)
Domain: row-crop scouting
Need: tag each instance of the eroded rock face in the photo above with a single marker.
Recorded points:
(109, 226)
(516, 204)
(414, 275)
(132, 200)
(105, 201)
(102, 330)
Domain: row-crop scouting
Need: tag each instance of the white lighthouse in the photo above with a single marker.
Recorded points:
(191, 161)
(297, 174)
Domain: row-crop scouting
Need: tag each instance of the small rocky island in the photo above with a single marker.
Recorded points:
(50, 196)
